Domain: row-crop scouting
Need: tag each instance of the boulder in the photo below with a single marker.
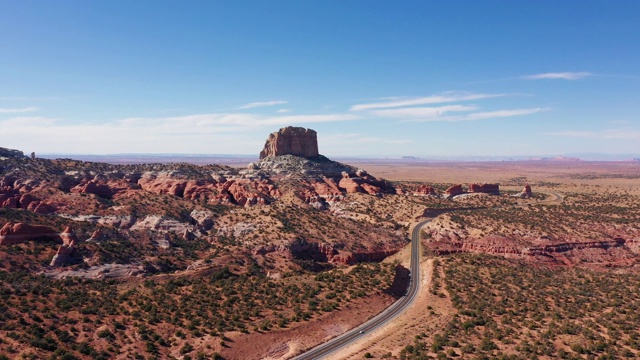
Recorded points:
(291, 140)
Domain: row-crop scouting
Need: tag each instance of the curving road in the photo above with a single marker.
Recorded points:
(398, 307)
(381, 319)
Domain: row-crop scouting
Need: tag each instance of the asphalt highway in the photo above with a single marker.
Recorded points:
(384, 317)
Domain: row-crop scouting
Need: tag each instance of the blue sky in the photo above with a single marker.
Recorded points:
(374, 78)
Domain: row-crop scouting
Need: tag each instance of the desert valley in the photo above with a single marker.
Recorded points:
(518, 259)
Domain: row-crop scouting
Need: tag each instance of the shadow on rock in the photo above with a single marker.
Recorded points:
(400, 282)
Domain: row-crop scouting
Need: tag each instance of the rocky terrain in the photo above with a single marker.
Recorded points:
(275, 224)
(181, 260)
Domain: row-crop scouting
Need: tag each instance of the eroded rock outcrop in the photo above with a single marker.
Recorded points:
(525, 193)
(493, 189)
(425, 190)
(453, 191)
(291, 141)
(96, 236)
(68, 236)
(65, 255)
(94, 187)
(4, 152)
(236, 191)
(16, 233)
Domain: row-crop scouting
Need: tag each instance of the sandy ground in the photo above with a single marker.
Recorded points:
(289, 342)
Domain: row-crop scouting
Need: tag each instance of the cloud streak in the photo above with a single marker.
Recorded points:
(558, 75)
(502, 113)
(423, 112)
(263, 104)
(18, 110)
(434, 99)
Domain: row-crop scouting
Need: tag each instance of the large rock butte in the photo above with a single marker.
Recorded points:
(291, 140)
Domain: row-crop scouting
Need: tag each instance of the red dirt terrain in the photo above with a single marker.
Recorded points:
(178, 260)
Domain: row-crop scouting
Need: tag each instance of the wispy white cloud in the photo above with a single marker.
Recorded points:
(233, 133)
(434, 99)
(283, 111)
(502, 113)
(18, 110)
(558, 75)
(422, 112)
(442, 113)
(239, 120)
(608, 134)
(262, 104)
(306, 119)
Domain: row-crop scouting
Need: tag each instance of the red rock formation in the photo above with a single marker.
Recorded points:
(97, 235)
(453, 191)
(93, 187)
(327, 189)
(351, 185)
(63, 256)
(424, 190)
(11, 234)
(163, 186)
(68, 237)
(525, 193)
(25, 200)
(11, 202)
(291, 141)
(484, 188)
(241, 192)
(39, 207)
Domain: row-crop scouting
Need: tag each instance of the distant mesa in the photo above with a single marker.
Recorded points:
(636, 159)
(561, 158)
(291, 140)
(11, 153)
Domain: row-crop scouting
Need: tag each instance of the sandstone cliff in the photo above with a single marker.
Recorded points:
(291, 141)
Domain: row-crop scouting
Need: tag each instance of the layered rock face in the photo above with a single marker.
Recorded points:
(425, 190)
(291, 141)
(485, 188)
(17, 233)
(453, 191)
